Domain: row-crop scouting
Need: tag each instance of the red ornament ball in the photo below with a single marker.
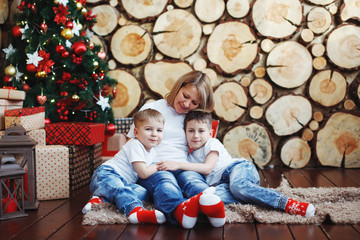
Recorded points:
(7, 79)
(15, 31)
(69, 25)
(47, 121)
(65, 54)
(79, 48)
(60, 49)
(110, 129)
(31, 68)
(26, 87)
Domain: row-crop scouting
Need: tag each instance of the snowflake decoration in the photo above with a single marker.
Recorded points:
(103, 102)
(34, 58)
(76, 28)
(68, 44)
(89, 33)
(64, 2)
(18, 74)
(22, 30)
(9, 51)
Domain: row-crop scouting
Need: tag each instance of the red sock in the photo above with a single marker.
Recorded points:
(140, 215)
(212, 206)
(187, 212)
(299, 208)
(94, 200)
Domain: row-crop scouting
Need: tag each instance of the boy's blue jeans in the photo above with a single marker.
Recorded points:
(240, 183)
(107, 183)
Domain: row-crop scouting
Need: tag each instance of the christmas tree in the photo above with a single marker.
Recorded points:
(51, 57)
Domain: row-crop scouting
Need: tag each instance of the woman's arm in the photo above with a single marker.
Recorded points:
(202, 168)
(144, 171)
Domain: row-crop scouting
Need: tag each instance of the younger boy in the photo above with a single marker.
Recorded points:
(239, 176)
(114, 181)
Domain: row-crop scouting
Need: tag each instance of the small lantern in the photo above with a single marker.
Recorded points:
(14, 142)
(11, 189)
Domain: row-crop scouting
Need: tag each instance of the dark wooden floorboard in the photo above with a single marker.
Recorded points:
(61, 219)
(240, 231)
(175, 233)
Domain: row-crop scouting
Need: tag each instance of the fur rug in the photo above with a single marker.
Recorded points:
(339, 205)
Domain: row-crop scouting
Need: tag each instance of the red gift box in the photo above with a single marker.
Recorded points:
(29, 118)
(74, 133)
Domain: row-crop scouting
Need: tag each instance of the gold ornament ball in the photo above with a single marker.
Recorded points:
(84, 11)
(10, 71)
(56, 1)
(95, 64)
(78, 5)
(67, 33)
(41, 74)
(75, 97)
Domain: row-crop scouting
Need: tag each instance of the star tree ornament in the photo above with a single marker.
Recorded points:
(33, 58)
(9, 51)
(103, 102)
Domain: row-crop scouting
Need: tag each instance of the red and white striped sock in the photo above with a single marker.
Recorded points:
(212, 206)
(186, 213)
(94, 200)
(300, 208)
(140, 215)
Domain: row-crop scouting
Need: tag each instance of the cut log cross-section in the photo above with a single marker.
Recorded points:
(295, 152)
(342, 46)
(328, 88)
(144, 10)
(337, 143)
(209, 11)
(289, 64)
(261, 91)
(350, 9)
(131, 45)
(231, 101)
(128, 95)
(238, 8)
(319, 20)
(277, 18)
(160, 76)
(106, 19)
(232, 47)
(251, 141)
(288, 114)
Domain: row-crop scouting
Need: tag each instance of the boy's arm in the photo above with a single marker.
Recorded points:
(202, 168)
(144, 171)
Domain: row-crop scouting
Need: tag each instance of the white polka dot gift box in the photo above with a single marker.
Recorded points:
(52, 172)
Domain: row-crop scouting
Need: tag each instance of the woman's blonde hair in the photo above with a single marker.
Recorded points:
(202, 83)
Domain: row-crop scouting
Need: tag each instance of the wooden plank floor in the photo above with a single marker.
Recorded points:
(61, 219)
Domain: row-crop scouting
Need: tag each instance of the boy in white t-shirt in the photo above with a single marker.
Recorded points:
(114, 181)
(209, 157)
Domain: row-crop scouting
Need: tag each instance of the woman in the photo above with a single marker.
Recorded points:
(192, 91)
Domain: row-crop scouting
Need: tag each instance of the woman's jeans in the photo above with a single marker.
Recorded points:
(107, 183)
(167, 193)
(240, 183)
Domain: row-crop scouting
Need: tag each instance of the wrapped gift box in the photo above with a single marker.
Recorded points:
(8, 105)
(113, 144)
(83, 160)
(75, 133)
(123, 124)
(38, 135)
(13, 94)
(52, 172)
(29, 118)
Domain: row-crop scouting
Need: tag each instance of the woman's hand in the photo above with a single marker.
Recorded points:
(168, 166)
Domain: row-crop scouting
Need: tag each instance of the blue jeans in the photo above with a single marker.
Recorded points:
(107, 183)
(240, 183)
(190, 182)
(166, 192)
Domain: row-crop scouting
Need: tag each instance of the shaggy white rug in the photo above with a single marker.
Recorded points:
(341, 205)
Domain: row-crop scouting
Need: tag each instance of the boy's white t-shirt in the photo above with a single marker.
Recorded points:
(132, 151)
(224, 160)
(173, 146)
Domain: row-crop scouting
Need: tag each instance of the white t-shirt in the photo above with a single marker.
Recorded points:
(224, 160)
(132, 151)
(173, 146)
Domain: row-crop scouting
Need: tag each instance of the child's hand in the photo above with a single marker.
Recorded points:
(168, 166)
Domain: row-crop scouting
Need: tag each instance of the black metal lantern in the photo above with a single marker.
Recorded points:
(11, 189)
(13, 142)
